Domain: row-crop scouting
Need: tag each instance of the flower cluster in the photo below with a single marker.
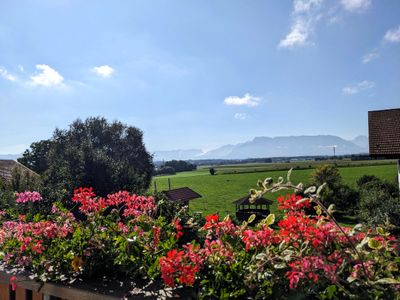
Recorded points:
(87, 198)
(133, 205)
(28, 197)
(292, 203)
(181, 266)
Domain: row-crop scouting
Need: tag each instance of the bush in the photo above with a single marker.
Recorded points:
(344, 197)
(379, 203)
(213, 171)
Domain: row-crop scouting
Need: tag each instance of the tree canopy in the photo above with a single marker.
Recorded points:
(106, 156)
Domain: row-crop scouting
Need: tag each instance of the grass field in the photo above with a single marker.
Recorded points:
(220, 190)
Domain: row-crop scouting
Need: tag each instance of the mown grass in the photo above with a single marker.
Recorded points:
(219, 191)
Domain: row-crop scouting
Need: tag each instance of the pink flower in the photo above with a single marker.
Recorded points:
(28, 196)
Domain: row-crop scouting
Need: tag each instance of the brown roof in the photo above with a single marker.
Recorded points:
(246, 201)
(7, 166)
(384, 133)
(181, 194)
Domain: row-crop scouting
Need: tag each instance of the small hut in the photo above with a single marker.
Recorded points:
(182, 195)
(245, 208)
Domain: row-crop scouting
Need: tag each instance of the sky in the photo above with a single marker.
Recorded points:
(197, 74)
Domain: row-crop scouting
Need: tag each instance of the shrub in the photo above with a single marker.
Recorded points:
(379, 203)
(213, 171)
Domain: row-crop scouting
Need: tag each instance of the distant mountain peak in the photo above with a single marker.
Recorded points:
(280, 146)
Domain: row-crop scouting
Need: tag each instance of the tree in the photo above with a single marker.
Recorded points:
(36, 158)
(106, 156)
(212, 171)
(328, 174)
(180, 165)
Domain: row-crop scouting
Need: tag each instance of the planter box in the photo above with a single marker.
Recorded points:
(28, 289)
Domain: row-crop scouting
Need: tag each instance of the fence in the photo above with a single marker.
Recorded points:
(27, 289)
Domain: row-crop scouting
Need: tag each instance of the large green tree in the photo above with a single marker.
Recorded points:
(106, 156)
(36, 158)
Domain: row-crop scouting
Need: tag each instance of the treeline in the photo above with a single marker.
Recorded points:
(174, 166)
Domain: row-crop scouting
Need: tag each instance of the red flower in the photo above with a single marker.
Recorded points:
(178, 227)
(290, 203)
(12, 282)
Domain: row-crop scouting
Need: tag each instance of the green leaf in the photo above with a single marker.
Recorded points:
(270, 219)
(374, 244)
(381, 231)
(330, 291)
(387, 281)
(251, 218)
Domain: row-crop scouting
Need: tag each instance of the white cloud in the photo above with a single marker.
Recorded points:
(370, 57)
(393, 35)
(300, 6)
(47, 77)
(305, 17)
(297, 36)
(240, 116)
(307, 14)
(6, 75)
(104, 71)
(246, 100)
(356, 5)
(359, 87)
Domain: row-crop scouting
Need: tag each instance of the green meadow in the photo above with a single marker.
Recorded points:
(219, 191)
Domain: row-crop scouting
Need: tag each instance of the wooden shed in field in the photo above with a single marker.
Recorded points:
(182, 195)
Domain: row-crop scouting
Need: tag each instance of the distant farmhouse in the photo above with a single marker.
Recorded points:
(9, 166)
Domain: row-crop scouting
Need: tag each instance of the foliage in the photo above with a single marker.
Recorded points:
(307, 255)
(302, 256)
(180, 165)
(118, 234)
(328, 174)
(6, 194)
(23, 180)
(163, 170)
(342, 196)
(379, 202)
(107, 156)
(36, 158)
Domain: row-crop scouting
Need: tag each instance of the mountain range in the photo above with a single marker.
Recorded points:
(260, 147)
(285, 146)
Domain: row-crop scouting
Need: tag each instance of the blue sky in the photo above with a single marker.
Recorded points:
(197, 74)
